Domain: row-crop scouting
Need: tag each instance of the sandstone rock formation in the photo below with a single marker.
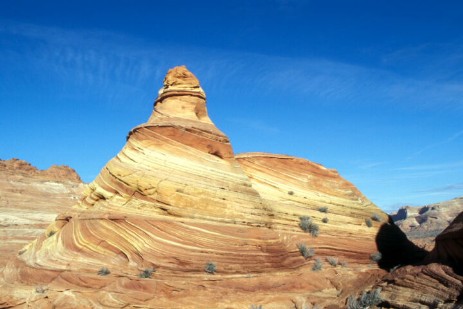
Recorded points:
(176, 202)
(30, 199)
(422, 224)
(438, 283)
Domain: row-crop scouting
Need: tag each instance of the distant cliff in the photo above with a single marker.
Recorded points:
(423, 223)
(29, 199)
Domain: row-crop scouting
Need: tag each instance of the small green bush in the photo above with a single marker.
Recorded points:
(51, 233)
(147, 273)
(323, 209)
(332, 261)
(325, 220)
(210, 268)
(305, 251)
(376, 257)
(376, 217)
(291, 192)
(368, 222)
(40, 289)
(318, 265)
(256, 307)
(104, 271)
(367, 300)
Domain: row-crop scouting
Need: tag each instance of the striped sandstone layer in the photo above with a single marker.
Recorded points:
(30, 199)
(174, 199)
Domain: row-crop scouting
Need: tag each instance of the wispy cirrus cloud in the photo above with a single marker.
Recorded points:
(448, 140)
(456, 187)
(433, 167)
(106, 59)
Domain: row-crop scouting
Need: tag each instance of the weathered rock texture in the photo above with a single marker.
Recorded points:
(176, 198)
(30, 199)
(423, 224)
(438, 283)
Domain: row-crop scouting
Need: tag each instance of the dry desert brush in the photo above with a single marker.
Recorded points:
(332, 261)
(104, 271)
(368, 222)
(367, 300)
(308, 226)
(318, 265)
(210, 268)
(147, 273)
(376, 257)
(305, 251)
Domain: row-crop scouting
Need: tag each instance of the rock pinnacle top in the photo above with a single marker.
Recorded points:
(181, 100)
(180, 79)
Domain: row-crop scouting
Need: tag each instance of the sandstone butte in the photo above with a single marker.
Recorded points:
(176, 198)
(30, 199)
(423, 223)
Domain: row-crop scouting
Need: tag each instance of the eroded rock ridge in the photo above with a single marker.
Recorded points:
(176, 220)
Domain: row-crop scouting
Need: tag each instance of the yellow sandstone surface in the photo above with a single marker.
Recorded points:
(176, 198)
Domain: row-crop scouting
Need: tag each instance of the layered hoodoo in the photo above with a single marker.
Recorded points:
(175, 220)
(178, 164)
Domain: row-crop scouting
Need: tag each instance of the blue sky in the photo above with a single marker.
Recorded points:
(373, 89)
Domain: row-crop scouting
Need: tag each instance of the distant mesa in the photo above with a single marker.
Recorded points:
(175, 219)
(30, 199)
(55, 172)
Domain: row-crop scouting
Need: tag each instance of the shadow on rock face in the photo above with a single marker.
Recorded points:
(449, 246)
(396, 249)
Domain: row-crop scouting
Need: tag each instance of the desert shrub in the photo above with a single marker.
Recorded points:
(308, 226)
(376, 217)
(51, 233)
(256, 307)
(323, 209)
(40, 289)
(367, 300)
(314, 230)
(291, 192)
(104, 271)
(147, 273)
(318, 265)
(332, 261)
(376, 257)
(210, 268)
(343, 263)
(305, 251)
(368, 222)
(304, 223)
(325, 220)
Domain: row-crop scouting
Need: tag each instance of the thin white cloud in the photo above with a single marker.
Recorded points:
(432, 167)
(456, 187)
(448, 140)
(109, 60)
